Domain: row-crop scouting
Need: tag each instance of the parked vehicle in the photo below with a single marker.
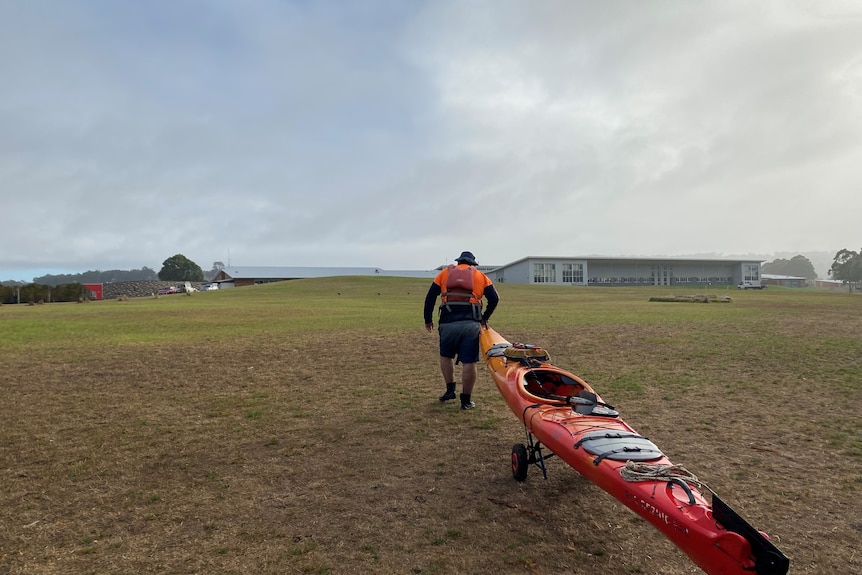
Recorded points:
(750, 285)
(168, 290)
(209, 287)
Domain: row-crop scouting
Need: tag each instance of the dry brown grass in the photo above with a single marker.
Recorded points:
(327, 452)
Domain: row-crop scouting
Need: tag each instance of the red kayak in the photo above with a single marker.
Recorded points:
(563, 416)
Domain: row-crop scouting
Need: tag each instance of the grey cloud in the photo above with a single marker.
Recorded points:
(293, 133)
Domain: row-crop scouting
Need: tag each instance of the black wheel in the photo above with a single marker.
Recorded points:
(520, 461)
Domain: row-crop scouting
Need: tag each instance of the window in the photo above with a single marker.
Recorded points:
(573, 273)
(751, 272)
(544, 273)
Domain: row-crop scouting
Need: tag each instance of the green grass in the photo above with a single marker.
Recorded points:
(283, 308)
(370, 303)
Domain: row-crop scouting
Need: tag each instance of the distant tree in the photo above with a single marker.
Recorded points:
(35, 293)
(69, 292)
(148, 273)
(53, 280)
(847, 267)
(8, 293)
(797, 266)
(777, 267)
(143, 274)
(179, 268)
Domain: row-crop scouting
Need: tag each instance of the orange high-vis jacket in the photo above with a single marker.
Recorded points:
(462, 288)
(462, 285)
(456, 284)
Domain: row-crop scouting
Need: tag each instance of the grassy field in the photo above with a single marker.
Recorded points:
(294, 428)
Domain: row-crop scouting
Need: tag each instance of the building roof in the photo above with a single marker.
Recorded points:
(292, 272)
(633, 259)
(781, 277)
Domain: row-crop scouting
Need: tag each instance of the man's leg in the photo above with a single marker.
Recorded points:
(447, 368)
(469, 350)
(468, 377)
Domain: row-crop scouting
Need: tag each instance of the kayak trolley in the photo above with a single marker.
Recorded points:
(530, 454)
(585, 403)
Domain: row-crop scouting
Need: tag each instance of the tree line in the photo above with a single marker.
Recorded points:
(797, 266)
(175, 268)
(69, 287)
(98, 277)
(38, 293)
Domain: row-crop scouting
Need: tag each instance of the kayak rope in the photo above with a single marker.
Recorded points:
(634, 471)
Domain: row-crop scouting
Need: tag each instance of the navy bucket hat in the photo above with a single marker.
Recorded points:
(467, 258)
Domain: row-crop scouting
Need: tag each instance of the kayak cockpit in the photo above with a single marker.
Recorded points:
(540, 382)
(550, 383)
(553, 386)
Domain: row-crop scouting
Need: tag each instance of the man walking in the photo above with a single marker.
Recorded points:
(461, 287)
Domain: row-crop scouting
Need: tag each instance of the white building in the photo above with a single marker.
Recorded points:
(619, 271)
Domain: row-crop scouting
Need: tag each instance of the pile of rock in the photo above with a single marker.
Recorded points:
(138, 289)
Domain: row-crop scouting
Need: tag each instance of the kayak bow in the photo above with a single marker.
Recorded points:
(564, 415)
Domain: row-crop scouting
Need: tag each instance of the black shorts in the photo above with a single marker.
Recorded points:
(460, 338)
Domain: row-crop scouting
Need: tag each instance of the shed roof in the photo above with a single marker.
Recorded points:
(640, 259)
(295, 272)
(781, 277)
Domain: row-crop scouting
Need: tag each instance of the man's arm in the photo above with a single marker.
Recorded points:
(493, 299)
(430, 300)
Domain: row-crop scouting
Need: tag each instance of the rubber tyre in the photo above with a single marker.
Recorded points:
(520, 462)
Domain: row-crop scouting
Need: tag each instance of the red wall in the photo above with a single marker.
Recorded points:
(95, 291)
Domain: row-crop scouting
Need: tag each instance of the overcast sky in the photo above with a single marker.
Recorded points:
(398, 133)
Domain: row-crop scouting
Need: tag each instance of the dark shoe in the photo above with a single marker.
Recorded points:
(450, 392)
(465, 402)
(447, 396)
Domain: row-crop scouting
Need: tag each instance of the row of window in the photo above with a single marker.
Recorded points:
(574, 274)
(711, 279)
(544, 273)
(547, 273)
(622, 281)
(644, 280)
